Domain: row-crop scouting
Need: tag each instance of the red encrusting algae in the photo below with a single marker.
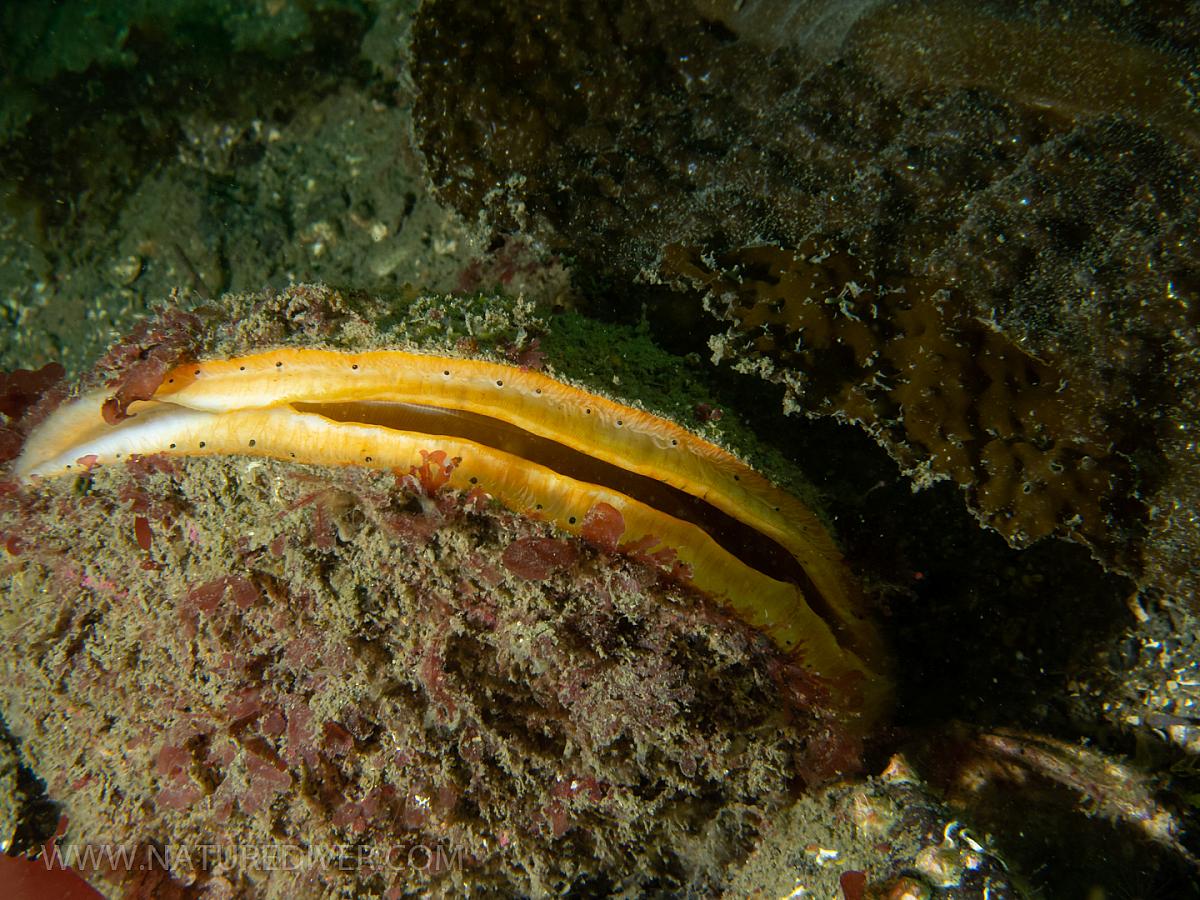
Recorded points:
(140, 362)
(536, 559)
(142, 532)
(20, 392)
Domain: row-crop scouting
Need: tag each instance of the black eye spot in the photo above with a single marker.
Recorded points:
(737, 477)
(571, 520)
(587, 412)
(293, 456)
(619, 423)
(474, 480)
(354, 365)
(197, 371)
(172, 446)
(170, 381)
(252, 442)
(368, 459)
(537, 390)
(674, 442)
(241, 368)
(446, 372)
(499, 383)
(202, 443)
(539, 506)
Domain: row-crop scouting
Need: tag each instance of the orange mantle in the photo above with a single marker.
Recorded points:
(265, 405)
